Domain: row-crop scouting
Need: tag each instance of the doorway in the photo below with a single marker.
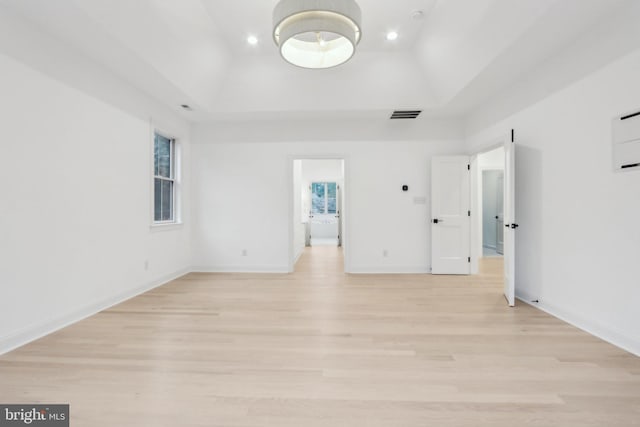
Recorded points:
(491, 166)
(489, 198)
(318, 208)
(493, 198)
(492, 212)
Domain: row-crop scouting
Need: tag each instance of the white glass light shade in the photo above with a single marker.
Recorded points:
(317, 33)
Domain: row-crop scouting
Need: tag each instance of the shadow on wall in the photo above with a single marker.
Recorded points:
(529, 267)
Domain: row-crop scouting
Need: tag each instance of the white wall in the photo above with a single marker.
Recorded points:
(578, 244)
(493, 159)
(29, 44)
(315, 170)
(76, 205)
(615, 35)
(299, 237)
(242, 200)
(322, 128)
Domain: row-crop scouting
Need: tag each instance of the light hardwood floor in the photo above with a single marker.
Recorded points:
(320, 348)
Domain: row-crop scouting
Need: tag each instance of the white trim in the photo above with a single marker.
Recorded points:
(166, 226)
(240, 269)
(605, 333)
(390, 270)
(35, 331)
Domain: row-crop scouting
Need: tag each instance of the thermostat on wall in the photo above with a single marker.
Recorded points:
(626, 142)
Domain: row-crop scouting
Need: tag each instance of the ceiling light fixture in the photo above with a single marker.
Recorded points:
(317, 33)
(392, 35)
(252, 40)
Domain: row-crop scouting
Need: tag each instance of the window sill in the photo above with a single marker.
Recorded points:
(168, 226)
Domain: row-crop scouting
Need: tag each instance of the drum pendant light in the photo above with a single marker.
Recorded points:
(317, 33)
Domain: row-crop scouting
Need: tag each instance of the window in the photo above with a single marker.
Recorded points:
(323, 197)
(164, 179)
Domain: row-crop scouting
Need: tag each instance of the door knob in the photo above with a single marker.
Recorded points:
(436, 221)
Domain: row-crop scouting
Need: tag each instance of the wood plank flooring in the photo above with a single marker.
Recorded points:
(320, 348)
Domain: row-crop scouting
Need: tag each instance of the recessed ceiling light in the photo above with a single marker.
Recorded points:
(392, 35)
(252, 40)
(417, 15)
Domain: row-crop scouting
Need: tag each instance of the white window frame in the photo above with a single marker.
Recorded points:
(326, 197)
(175, 169)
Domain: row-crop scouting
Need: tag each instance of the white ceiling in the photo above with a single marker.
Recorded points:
(195, 52)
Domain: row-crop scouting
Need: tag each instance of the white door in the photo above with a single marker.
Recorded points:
(450, 186)
(510, 223)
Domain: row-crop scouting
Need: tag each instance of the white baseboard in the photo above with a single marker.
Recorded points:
(608, 334)
(389, 270)
(240, 269)
(35, 331)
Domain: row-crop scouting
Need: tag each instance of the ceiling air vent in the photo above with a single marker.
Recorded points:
(405, 114)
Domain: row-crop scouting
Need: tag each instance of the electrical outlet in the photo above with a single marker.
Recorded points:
(244, 252)
(146, 265)
(385, 253)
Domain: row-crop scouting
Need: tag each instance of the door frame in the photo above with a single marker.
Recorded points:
(476, 202)
(344, 214)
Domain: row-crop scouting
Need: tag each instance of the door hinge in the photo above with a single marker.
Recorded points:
(469, 259)
(513, 135)
(468, 167)
(469, 213)
(514, 226)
